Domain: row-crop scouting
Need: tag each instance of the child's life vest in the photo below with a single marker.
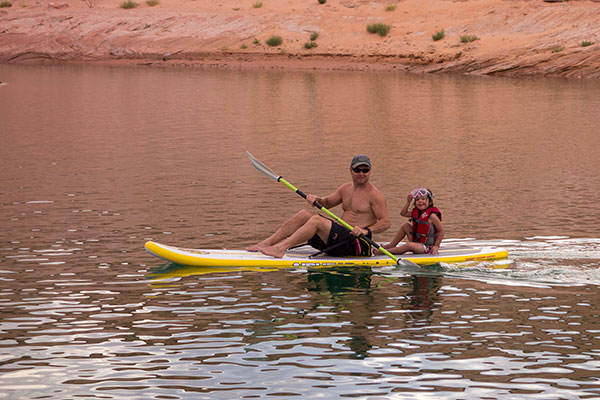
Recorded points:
(424, 231)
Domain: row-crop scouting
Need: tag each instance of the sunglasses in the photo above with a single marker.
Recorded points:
(363, 170)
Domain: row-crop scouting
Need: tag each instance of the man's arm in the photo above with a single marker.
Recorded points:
(379, 206)
(330, 201)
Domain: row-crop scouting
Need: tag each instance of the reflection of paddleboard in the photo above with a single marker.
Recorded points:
(300, 257)
(169, 271)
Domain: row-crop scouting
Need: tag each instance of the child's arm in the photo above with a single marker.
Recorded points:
(405, 212)
(434, 219)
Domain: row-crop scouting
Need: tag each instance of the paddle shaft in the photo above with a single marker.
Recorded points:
(340, 221)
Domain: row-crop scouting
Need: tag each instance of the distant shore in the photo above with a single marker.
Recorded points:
(483, 37)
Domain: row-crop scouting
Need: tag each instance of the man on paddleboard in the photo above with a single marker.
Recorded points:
(365, 208)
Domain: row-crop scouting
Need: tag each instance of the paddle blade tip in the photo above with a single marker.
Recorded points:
(408, 264)
(262, 168)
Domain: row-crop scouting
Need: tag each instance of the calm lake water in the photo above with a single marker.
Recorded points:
(97, 160)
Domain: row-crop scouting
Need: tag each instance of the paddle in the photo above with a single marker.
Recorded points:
(266, 171)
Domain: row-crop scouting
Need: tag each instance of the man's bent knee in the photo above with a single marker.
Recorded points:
(318, 220)
(304, 215)
(321, 225)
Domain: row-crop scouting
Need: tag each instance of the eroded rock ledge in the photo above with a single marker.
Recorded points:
(513, 37)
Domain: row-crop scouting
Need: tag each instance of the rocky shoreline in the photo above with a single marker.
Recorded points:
(513, 37)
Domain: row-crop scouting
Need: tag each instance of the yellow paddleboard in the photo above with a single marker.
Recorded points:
(300, 257)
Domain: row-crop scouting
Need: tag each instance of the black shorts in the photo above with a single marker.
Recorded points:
(349, 245)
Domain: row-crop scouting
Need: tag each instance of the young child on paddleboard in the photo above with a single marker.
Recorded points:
(424, 231)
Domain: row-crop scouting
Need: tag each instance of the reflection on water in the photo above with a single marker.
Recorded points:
(95, 161)
(359, 332)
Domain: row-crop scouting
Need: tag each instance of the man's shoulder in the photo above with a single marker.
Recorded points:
(373, 189)
(377, 192)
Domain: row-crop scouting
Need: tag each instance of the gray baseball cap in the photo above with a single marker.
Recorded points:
(360, 159)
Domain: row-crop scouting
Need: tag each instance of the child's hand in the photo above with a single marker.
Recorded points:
(434, 250)
(409, 198)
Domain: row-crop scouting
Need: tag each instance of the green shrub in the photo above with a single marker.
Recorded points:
(244, 46)
(390, 7)
(256, 42)
(152, 3)
(257, 4)
(439, 35)
(468, 38)
(129, 4)
(5, 4)
(310, 45)
(557, 49)
(379, 28)
(586, 43)
(314, 35)
(274, 41)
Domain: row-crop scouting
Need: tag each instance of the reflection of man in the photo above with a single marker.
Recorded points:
(350, 289)
(365, 209)
(367, 295)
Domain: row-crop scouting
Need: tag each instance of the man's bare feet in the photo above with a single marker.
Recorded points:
(256, 247)
(272, 251)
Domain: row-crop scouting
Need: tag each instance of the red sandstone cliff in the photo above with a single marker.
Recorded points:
(515, 37)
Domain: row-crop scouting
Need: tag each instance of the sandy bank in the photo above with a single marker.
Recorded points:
(514, 37)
